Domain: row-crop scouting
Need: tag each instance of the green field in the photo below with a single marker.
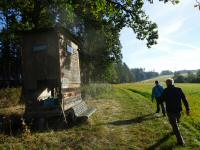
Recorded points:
(124, 119)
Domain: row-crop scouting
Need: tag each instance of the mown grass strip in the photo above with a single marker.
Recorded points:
(145, 94)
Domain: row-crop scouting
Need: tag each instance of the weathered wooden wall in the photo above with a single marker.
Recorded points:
(70, 69)
(47, 66)
(40, 65)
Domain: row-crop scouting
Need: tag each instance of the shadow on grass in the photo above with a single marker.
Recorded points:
(13, 124)
(135, 120)
(161, 141)
(10, 124)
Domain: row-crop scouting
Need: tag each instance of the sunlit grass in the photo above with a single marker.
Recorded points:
(124, 119)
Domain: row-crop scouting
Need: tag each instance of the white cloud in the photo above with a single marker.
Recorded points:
(172, 28)
(186, 45)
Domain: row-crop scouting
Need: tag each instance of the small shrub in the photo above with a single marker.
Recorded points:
(26, 132)
(9, 97)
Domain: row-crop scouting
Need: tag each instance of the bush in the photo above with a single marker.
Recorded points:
(9, 97)
(179, 79)
(96, 91)
(190, 78)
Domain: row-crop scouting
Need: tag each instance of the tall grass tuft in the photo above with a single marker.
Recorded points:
(9, 97)
(96, 91)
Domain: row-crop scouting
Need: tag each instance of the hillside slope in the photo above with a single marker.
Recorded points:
(159, 78)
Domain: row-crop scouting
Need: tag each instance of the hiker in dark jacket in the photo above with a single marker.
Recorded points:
(157, 94)
(173, 96)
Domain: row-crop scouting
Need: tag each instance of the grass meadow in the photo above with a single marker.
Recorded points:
(124, 119)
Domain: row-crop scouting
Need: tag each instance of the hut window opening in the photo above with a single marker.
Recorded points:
(40, 47)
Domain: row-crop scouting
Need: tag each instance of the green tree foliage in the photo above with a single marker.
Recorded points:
(179, 78)
(166, 72)
(10, 56)
(189, 78)
(117, 72)
(198, 76)
(140, 74)
(123, 72)
(96, 24)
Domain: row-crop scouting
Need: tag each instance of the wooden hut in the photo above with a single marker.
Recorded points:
(51, 75)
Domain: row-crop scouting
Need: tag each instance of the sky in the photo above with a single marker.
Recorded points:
(178, 45)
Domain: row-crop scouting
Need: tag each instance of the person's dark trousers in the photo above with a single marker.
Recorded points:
(160, 103)
(174, 120)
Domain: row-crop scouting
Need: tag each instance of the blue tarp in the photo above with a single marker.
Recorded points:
(50, 102)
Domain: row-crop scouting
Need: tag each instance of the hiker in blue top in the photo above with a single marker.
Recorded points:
(157, 94)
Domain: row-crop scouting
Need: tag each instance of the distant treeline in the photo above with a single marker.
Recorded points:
(190, 77)
(140, 74)
(120, 73)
